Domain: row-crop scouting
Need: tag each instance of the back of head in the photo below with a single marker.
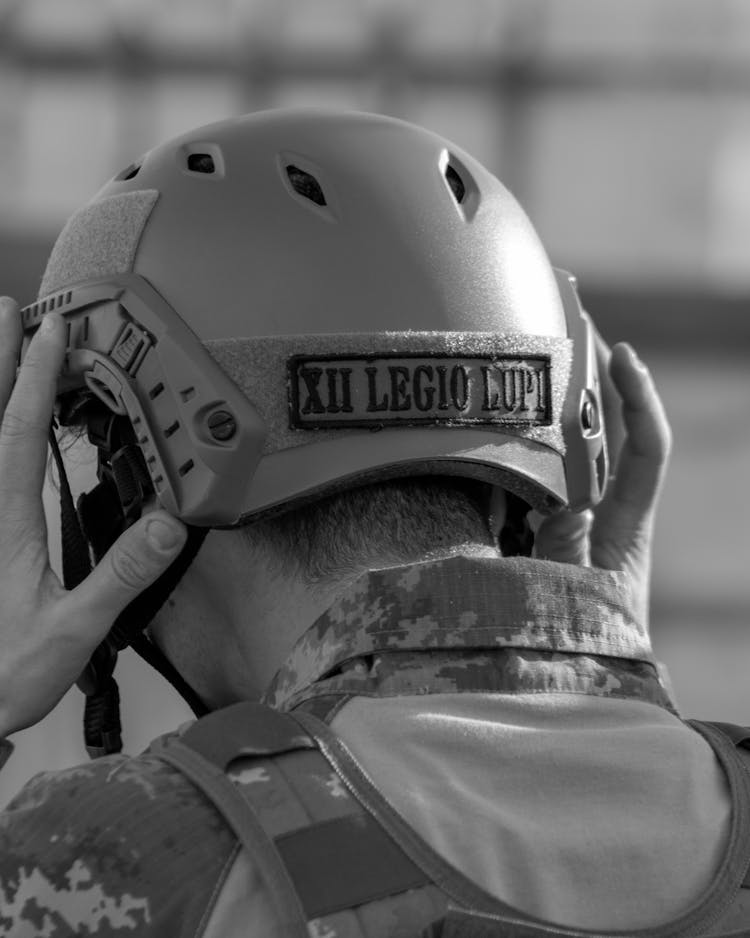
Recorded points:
(391, 523)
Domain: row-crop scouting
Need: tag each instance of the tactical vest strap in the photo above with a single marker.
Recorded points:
(330, 865)
(245, 729)
(228, 800)
(345, 862)
(740, 737)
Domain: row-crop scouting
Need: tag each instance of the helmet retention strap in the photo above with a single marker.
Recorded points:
(95, 523)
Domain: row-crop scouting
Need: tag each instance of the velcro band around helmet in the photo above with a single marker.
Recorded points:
(263, 368)
(99, 240)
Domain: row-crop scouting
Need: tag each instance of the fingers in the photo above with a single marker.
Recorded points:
(617, 534)
(133, 563)
(645, 453)
(622, 529)
(564, 537)
(10, 343)
(28, 412)
(611, 402)
(47, 633)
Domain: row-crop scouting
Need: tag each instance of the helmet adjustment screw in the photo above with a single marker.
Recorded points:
(222, 425)
(588, 415)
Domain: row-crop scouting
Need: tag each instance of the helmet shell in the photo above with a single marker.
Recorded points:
(349, 236)
(238, 252)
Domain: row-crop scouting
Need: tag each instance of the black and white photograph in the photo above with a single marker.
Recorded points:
(374, 460)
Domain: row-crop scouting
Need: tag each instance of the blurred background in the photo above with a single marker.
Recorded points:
(622, 127)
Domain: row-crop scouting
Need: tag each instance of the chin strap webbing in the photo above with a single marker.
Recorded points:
(516, 538)
(98, 520)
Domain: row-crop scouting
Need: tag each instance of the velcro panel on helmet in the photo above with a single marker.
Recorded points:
(99, 240)
(297, 412)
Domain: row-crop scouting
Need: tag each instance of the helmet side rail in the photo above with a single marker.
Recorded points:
(586, 453)
(200, 436)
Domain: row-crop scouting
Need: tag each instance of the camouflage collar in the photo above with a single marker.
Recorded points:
(508, 625)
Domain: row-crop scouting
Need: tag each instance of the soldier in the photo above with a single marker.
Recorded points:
(352, 435)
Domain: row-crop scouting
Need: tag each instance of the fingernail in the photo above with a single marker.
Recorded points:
(634, 360)
(162, 535)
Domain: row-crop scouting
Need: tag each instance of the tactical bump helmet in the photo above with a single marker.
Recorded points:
(379, 301)
(277, 306)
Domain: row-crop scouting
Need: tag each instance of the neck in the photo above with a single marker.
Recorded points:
(230, 625)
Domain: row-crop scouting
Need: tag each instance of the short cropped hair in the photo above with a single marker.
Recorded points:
(398, 521)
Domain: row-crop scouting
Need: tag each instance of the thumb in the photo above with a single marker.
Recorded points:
(564, 537)
(137, 558)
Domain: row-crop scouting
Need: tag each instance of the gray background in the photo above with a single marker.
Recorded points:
(623, 129)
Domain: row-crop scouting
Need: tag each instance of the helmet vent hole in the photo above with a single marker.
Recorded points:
(130, 172)
(201, 163)
(456, 183)
(305, 185)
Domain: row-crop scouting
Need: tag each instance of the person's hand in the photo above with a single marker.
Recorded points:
(617, 534)
(46, 632)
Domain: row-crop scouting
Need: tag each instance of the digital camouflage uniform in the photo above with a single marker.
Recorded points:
(132, 846)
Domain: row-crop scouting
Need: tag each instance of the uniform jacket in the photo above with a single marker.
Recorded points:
(131, 846)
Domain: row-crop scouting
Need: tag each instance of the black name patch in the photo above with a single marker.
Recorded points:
(361, 391)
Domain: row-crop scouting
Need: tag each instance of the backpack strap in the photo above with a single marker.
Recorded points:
(317, 869)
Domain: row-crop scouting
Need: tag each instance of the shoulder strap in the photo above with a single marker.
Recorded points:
(244, 729)
(739, 737)
(229, 802)
(327, 866)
